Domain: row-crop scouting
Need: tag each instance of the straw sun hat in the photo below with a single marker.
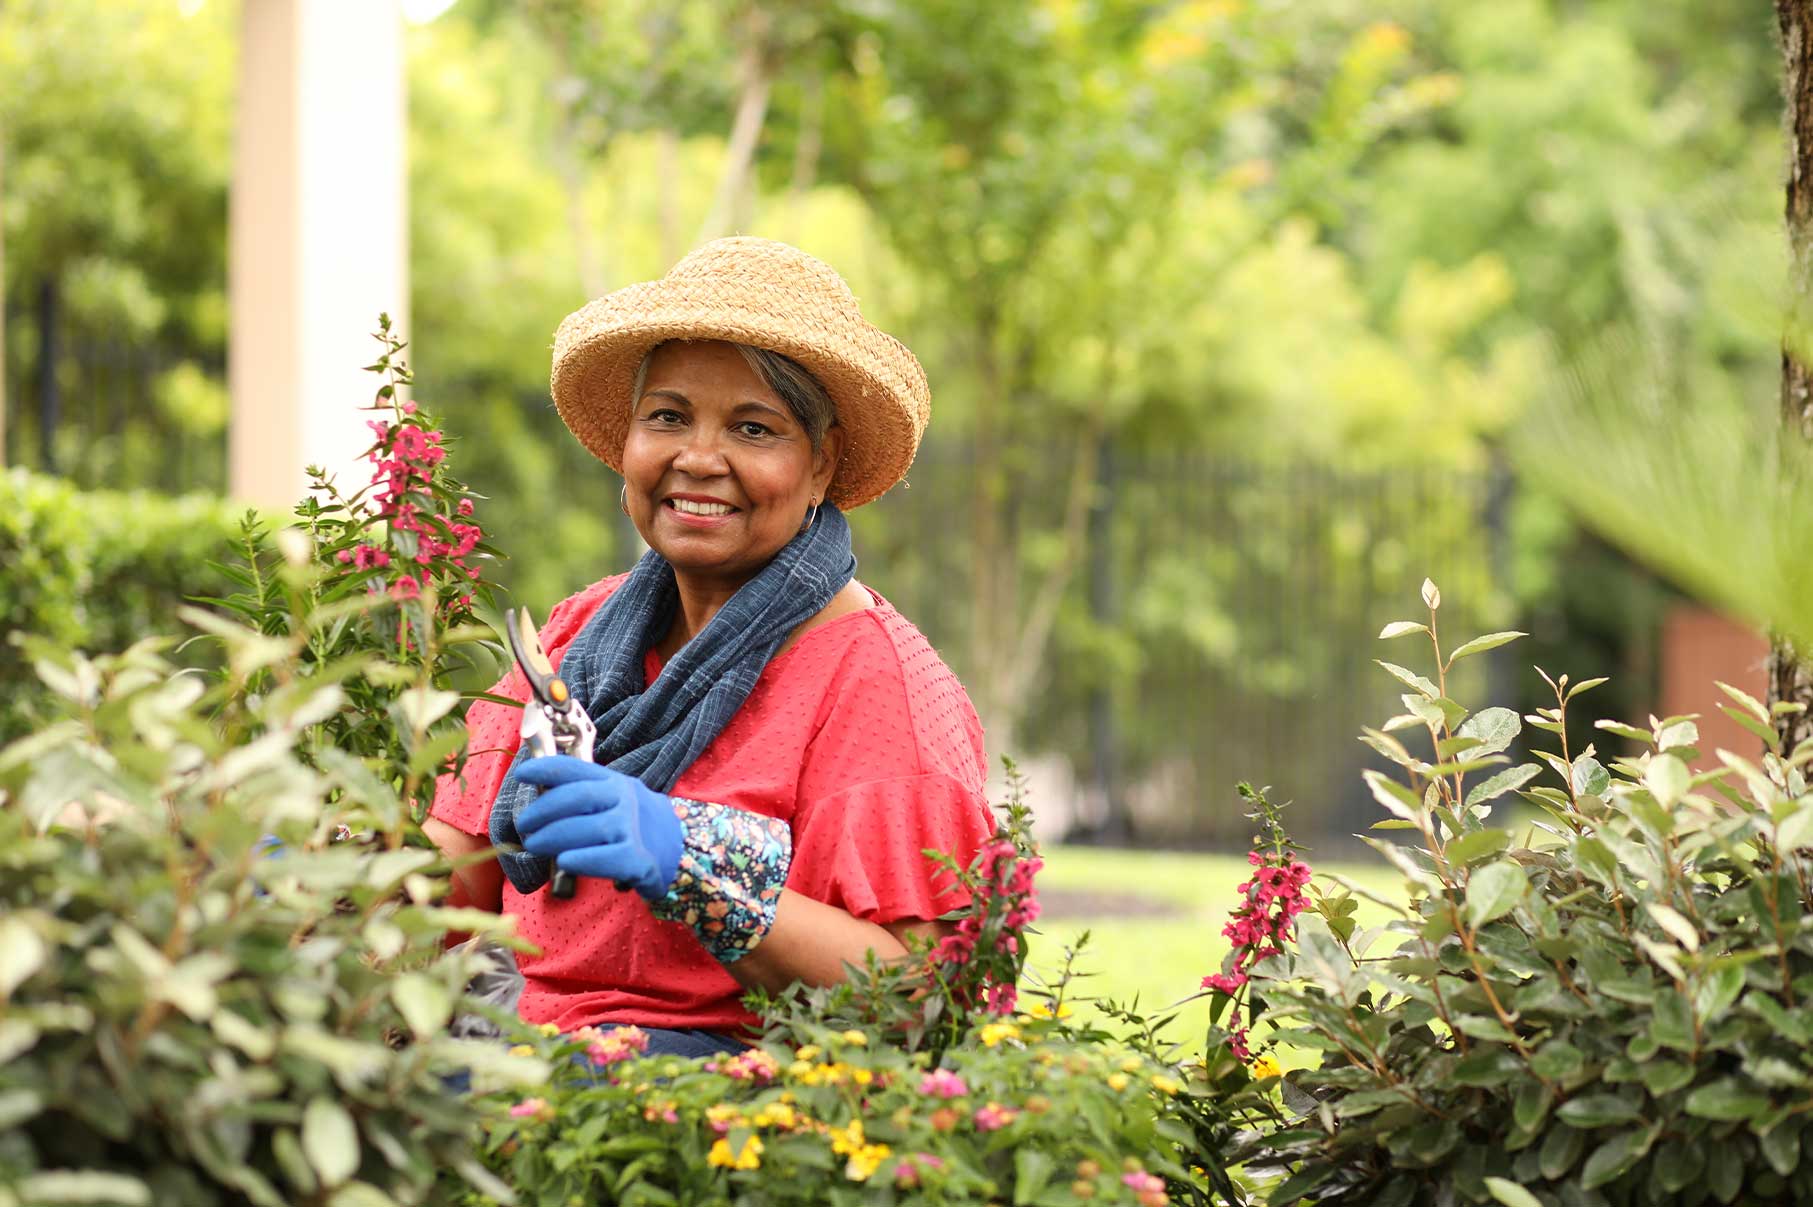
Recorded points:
(767, 295)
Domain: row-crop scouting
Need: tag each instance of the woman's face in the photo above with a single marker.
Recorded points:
(720, 474)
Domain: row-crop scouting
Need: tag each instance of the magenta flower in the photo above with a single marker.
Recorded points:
(942, 1083)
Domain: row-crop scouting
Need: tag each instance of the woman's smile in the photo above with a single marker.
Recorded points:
(698, 511)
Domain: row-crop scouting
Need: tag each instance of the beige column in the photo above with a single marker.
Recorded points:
(318, 236)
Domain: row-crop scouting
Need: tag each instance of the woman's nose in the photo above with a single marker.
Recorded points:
(701, 456)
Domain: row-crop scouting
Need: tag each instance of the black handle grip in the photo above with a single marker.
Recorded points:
(564, 884)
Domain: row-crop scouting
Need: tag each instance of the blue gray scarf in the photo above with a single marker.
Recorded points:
(656, 733)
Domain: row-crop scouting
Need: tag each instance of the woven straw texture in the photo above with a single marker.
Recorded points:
(767, 295)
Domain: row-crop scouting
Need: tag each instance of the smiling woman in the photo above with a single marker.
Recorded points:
(777, 746)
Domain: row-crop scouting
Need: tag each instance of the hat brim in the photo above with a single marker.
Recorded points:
(875, 383)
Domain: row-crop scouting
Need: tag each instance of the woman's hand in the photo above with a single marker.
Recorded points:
(593, 821)
(717, 869)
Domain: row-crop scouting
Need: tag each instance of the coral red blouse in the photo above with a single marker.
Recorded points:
(857, 735)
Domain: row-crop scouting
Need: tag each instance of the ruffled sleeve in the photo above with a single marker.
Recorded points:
(863, 850)
(895, 768)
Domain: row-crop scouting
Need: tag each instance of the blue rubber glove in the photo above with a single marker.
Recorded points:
(593, 821)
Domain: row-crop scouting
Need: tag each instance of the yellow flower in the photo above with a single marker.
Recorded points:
(748, 1157)
(993, 1033)
(1044, 1010)
(1131, 1065)
(1164, 1085)
(865, 1160)
(809, 1052)
(847, 1140)
(727, 1113)
(856, 1039)
(523, 1050)
(776, 1114)
(861, 1076)
(1264, 1066)
(801, 1070)
(549, 1030)
(1118, 1081)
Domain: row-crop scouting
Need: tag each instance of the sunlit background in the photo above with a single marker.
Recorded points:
(1236, 313)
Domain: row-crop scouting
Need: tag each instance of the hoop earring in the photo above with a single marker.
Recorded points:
(811, 518)
(623, 499)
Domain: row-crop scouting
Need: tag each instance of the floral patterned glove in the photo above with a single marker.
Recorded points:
(717, 869)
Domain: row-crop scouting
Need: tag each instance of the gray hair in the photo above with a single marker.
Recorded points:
(791, 382)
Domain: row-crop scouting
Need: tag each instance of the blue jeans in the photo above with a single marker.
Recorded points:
(690, 1042)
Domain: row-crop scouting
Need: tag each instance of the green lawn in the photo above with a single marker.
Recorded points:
(1161, 958)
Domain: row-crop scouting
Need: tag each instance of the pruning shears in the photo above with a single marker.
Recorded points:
(553, 722)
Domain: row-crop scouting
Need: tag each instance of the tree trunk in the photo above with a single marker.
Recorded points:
(667, 186)
(2, 299)
(1790, 677)
(50, 352)
(754, 70)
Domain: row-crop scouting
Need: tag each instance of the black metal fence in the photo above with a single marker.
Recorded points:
(86, 403)
(1223, 626)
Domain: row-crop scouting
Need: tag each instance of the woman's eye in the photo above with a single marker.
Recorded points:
(664, 415)
(753, 429)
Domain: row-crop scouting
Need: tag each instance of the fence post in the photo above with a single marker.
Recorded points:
(1116, 826)
(50, 402)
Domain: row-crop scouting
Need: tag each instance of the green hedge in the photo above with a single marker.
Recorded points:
(96, 570)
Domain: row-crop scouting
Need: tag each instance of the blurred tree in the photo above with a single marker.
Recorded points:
(1073, 187)
(117, 121)
(1790, 671)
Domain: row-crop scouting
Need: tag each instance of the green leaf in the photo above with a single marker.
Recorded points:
(1766, 732)
(1480, 645)
(1032, 1172)
(1671, 1020)
(1626, 731)
(1667, 778)
(22, 952)
(1728, 1098)
(58, 1186)
(1661, 1077)
(1496, 729)
(1596, 858)
(1511, 1194)
(1676, 924)
(1400, 628)
(1494, 891)
(360, 1194)
(1397, 799)
(1411, 679)
(1597, 1110)
(1781, 1146)
(1615, 1157)
(1590, 776)
(1476, 845)
(1561, 1148)
(423, 1002)
(331, 1140)
(1509, 780)
(1432, 596)
(1746, 699)
(1585, 685)
(1719, 987)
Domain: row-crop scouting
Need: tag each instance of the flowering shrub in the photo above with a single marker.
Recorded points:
(1018, 1112)
(395, 566)
(1604, 1006)
(206, 997)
